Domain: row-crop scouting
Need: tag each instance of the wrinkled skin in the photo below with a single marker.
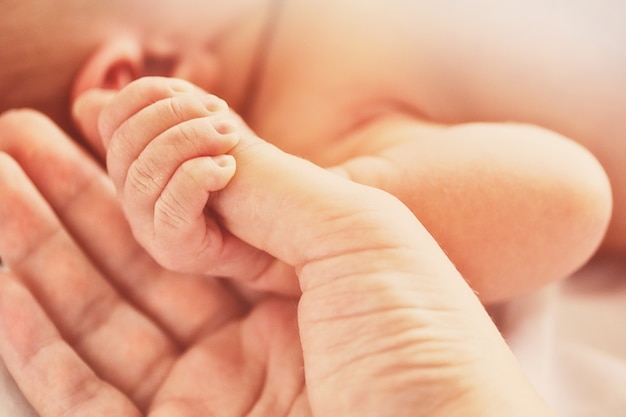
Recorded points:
(91, 325)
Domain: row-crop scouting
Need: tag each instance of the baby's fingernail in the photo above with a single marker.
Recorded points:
(213, 103)
(224, 161)
(224, 127)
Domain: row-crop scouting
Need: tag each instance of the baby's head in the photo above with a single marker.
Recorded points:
(43, 44)
(53, 50)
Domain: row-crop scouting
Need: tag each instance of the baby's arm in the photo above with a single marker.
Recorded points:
(379, 296)
(513, 206)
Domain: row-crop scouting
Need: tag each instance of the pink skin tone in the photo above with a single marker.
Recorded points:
(421, 107)
(272, 358)
(199, 327)
(161, 165)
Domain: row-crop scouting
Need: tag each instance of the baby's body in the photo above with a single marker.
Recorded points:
(416, 98)
(440, 65)
(378, 299)
(507, 195)
(167, 144)
(411, 97)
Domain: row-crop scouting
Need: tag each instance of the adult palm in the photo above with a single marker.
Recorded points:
(92, 325)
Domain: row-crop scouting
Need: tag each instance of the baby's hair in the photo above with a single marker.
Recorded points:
(40, 51)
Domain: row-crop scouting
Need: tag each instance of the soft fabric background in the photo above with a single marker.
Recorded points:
(570, 339)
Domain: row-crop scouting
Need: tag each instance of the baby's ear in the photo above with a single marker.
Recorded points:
(116, 63)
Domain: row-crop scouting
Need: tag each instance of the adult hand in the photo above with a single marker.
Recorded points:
(90, 325)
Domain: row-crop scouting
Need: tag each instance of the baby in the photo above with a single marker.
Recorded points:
(173, 153)
(89, 323)
(514, 206)
(172, 147)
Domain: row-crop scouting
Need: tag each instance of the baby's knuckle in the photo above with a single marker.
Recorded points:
(167, 214)
(141, 180)
(179, 108)
(187, 133)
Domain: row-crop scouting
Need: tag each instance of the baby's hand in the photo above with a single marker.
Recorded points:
(168, 147)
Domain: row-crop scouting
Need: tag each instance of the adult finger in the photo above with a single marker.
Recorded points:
(52, 376)
(380, 298)
(83, 198)
(84, 306)
(238, 260)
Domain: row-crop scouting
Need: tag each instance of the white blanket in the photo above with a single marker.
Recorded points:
(570, 338)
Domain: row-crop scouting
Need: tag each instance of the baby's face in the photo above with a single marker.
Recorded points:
(192, 22)
(187, 31)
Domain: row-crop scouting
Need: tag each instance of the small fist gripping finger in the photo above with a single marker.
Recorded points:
(179, 212)
(168, 150)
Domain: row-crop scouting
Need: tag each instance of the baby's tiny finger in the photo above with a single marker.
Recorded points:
(183, 229)
(136, 96)
(178, 127)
